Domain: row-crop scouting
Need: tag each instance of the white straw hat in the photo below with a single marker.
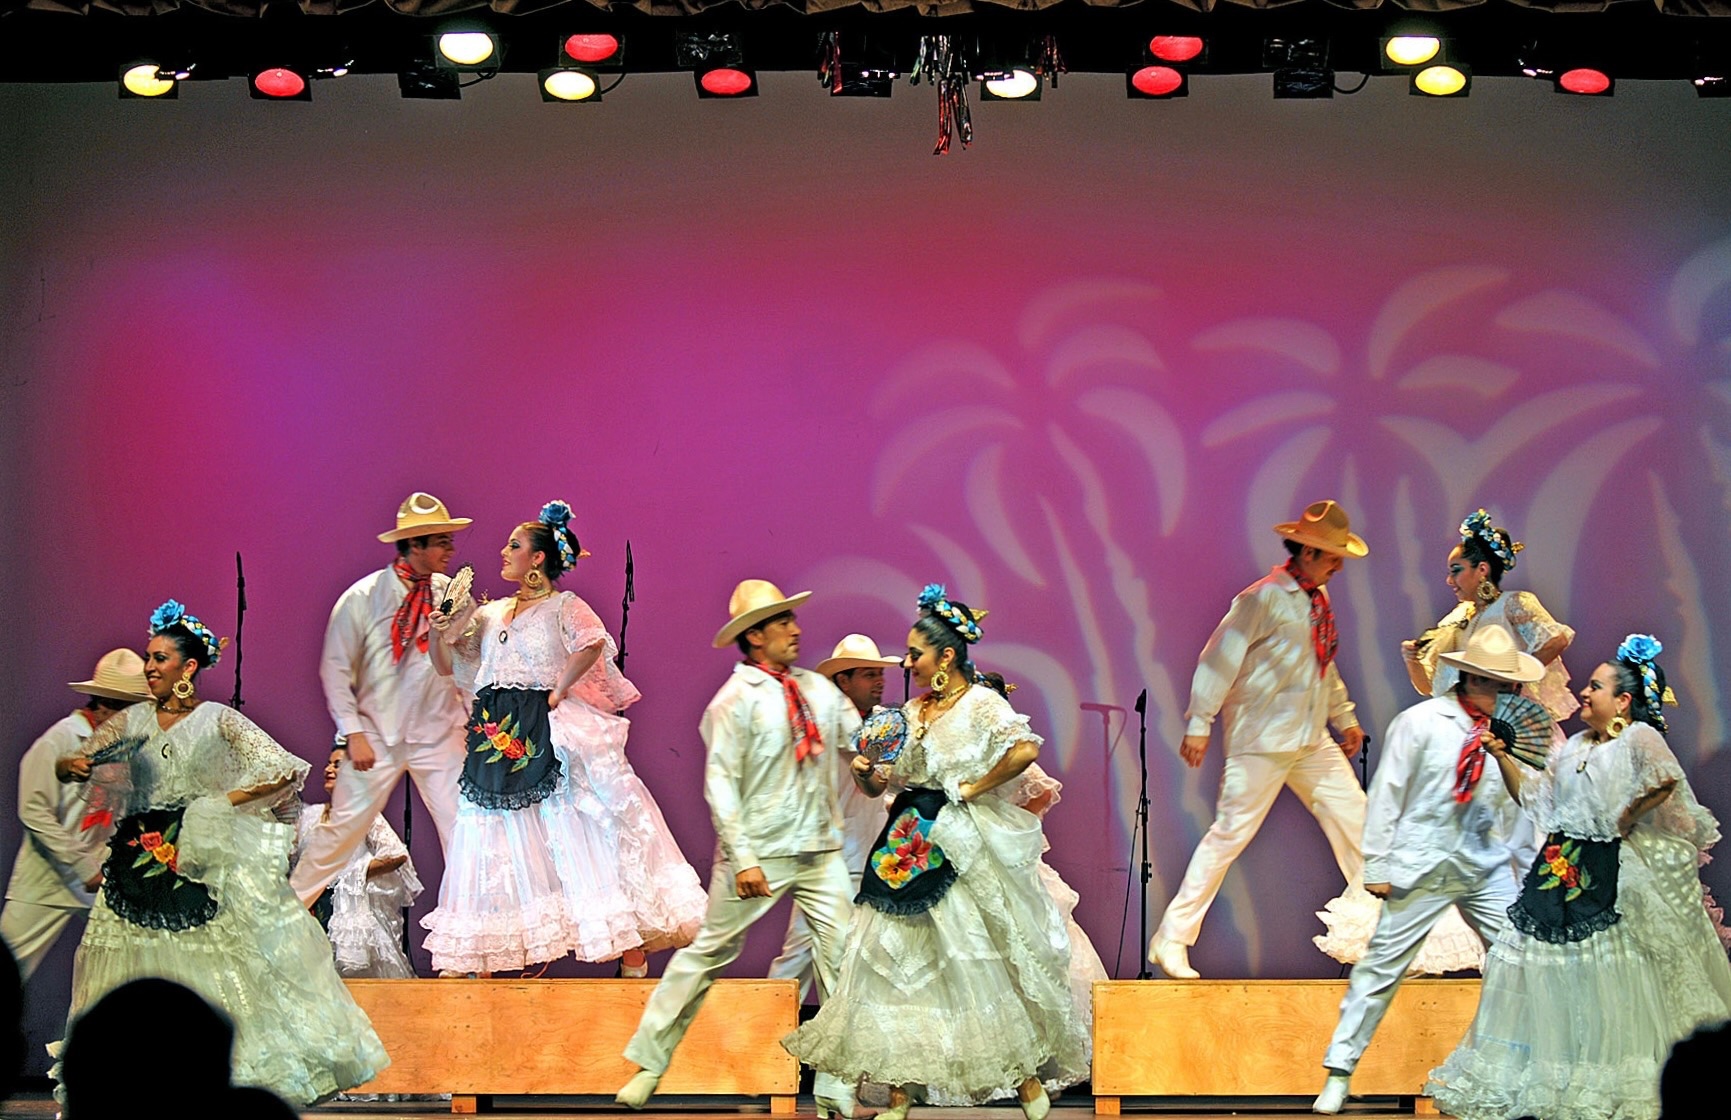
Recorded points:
(856, 651)
(119, 676)
(1491, 652)
(754, 600)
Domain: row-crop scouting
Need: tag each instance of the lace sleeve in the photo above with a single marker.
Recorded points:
(1036, 790)
(1445, 637)
(579, 626)
(255, 759)
(603, 685)
(1654, 765)
(1532, 623)
(971, 750)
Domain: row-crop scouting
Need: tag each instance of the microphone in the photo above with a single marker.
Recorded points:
(1103, 709)
(1142, 703)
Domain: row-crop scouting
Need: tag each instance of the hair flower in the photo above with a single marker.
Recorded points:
(165, 616)
(1639, 647)
(556, 514)
(932, 595)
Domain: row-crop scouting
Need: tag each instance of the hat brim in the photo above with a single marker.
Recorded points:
(91, 688)
(739, 624)
(841, 664)
(1527, 667)
(455, 525)
(1294, 531)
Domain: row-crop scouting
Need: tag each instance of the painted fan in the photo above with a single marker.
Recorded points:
(1525, 726)
(882, 735)
(457, 591)
(118, 751)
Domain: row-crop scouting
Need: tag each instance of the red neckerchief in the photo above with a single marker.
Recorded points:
(808, 740)
(411, 621)
(1472, 761)
(1323, 635)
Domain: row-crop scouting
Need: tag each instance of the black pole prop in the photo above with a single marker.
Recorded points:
(1142, 819)
(239, 621)
(625, 605)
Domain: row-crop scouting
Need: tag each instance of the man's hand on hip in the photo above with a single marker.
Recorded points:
(750, 883)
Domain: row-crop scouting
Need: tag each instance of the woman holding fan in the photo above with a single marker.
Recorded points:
(558, 846)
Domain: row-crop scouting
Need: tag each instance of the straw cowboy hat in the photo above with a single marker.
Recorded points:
(1492, 653)
(753, 601)
(1325, 526)
(856, 651)
(422, 515)
(119, 676)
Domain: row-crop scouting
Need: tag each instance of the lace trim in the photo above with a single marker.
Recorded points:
(1562, 935)
(510, 800)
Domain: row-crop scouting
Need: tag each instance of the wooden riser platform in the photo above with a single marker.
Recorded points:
(474, 1038)
(1263, 1038)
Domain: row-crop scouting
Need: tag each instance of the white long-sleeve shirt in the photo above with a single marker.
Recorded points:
(1259, 671)
(393, 702)
(1413, 824)
(58, 856)
(763, 801)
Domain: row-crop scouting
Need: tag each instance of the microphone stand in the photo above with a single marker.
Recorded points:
(239, 621)
(625, 605)
(1142, 820)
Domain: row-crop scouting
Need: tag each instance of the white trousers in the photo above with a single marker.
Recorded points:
(1407, 917)
(1322, 778)
(360, 797)
(30, 930)
(819, 882)
(798, 948)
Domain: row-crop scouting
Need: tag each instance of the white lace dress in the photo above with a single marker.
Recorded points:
(592, 869)
(1037, 792)
(261, 958)
(963, 1002)
(1452, 946)
(1580, 1030)
(366, 927)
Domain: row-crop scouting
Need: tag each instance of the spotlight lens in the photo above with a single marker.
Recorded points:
(726, 82)
(591, 48)
(142, 81)
(1585, 80)
(1410, 50)
(278, 82)
(466, 48)
(570, 85)
(1156, 81)
(1175, 48)
(1017, 83)
(1440, 81)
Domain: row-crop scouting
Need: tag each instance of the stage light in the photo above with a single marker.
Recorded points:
(1017, 84)
(1303, 83)
(279, 83)
(600, 51)
(1411, 50)
(1585, 81)
(1712, 85)
(1156, 83)
(1177, 48)
(147, 80)
(426, 81)
(1445, 79)
(726, 82)
(569, 83)
(468, 48)
(861, 81)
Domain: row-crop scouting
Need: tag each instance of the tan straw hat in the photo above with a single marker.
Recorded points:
(422, 515)
(856, 651)
(753, 601)
(1325, 526)
(1491, 652)
(119, 676)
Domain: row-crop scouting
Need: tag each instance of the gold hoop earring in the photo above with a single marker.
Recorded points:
(1487, 592)
(533, 579)
(940, 681)
(182, 689)
(1617, 726)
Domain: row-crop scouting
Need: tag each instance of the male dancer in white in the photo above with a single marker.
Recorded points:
(857, 668)
(1438, 830)
(59, 864)
(1269, 669)
(772, 731)
(395, 713)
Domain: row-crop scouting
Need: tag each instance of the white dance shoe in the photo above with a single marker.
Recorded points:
(1333, 1095)
(1037, 1108)
(638, 1090)
(836, 1103)
(1173, 957)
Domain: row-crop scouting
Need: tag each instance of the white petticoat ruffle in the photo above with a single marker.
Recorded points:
(1352, 916)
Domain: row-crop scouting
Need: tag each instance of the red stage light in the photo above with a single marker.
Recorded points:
(591, 48)
(1584, 80)
(1156, 81)
(726, 82)
(1175, 48)
(278, 82)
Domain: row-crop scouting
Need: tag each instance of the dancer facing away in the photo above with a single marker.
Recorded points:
(1269, 670)
(195, 889)
(558, 846)
(59, 864)
(857, 668)
(955, 979)
(773, 732)
(1611, 957)
(392, 710)
(1436, 835)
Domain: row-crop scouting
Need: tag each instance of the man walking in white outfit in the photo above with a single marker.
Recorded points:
(1439, 830)
(1269, 669)
(773, 733)
(392, 709)
(59, 864)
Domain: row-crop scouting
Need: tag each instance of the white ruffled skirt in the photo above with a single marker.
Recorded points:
(1581, 1030)
(592, 870)
(1351, 918)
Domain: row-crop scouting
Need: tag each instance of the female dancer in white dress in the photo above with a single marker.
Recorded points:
(1611, 957)
(558, 846)
(1475, 572)
(195, 889)
(955, 981)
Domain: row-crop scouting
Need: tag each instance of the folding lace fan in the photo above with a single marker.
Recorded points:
(1525, 726)
(457, 591)
(882, 735)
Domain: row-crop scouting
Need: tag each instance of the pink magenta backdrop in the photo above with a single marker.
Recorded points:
(1076, 372)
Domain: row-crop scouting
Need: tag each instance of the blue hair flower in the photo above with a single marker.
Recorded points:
(1639, 648)
(932, 595)
(165, 616)
(556, 513)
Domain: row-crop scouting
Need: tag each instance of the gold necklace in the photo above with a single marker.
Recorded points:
(517, 602)
(942, 703)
